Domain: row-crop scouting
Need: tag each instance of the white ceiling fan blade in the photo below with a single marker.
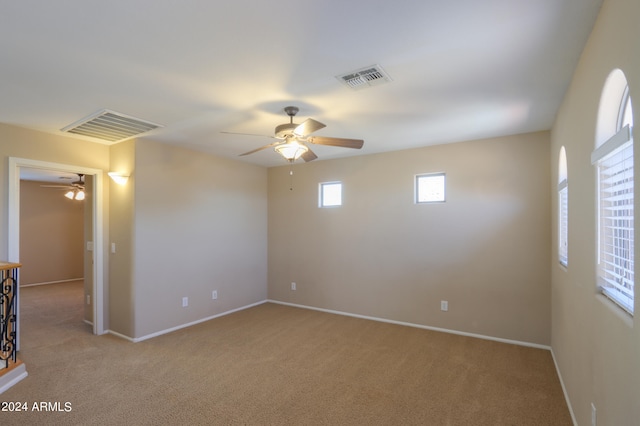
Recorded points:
(261, 148)
(341, 142)
(309, 156)
(248, 134)
(307, 127)
(57, 186)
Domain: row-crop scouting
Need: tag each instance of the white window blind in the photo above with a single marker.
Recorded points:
(563, 222)
(616, 218)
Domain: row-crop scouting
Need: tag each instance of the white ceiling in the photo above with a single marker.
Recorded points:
(461, 69)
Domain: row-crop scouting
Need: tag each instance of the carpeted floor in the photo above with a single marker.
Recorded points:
(273, 365)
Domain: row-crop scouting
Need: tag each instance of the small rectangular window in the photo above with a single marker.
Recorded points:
(430, 188)
(330, 194)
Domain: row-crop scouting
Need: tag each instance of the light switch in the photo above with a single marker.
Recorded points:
(113, 247)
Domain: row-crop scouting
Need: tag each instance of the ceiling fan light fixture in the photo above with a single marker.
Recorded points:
(75, 194)
(291, 137)
(291, 151)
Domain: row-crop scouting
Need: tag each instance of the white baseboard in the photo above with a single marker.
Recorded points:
(564, 389)
(169, 330)
(330, 311)
(409, 324)
(13, 377)
(122, 336)
(52, 282)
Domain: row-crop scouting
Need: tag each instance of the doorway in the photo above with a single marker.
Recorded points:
(94, 248)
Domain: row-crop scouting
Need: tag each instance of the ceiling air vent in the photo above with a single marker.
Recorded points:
(365, 77)
(110, 126)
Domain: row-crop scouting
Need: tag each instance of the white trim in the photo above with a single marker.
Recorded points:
(330, 311)
(564, 389)
(172, 329)
(563, 184)
(52, 282)
(622, 301)
(409, 324)
(614, 142)
(13, 377)
(122, 336)
(98, 225)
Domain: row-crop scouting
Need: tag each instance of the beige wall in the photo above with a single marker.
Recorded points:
(89, 186)
(486, 250)
(200, 224)
(197, 223)
(33, 145)
(52, 235)
(121, 205)
(596, 346)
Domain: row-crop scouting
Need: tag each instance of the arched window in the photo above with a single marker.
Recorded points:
(563, 209)
(613, 158)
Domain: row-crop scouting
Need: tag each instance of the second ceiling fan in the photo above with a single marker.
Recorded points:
(292, 139)
(75, 189)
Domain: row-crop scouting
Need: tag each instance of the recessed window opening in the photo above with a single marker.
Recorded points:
(330, 194)
(614, 159)
(626, 113)
(430, 188)
(563, 209)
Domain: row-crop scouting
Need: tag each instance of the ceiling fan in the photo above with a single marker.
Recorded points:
(292, 139)
(75, 189)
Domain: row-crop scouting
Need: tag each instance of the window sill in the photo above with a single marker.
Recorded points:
(616, 309)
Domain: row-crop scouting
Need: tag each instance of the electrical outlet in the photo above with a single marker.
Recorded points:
(593, 414)
(214, 294)
(293, 286)
(185, 302)
(88, 299)
(444, 305)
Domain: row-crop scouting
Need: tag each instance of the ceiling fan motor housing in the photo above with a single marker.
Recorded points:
(284, 130)
(292, 138)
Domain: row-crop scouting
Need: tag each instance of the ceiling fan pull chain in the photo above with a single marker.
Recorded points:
(291, 177)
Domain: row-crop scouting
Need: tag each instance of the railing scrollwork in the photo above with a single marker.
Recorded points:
(8, 304)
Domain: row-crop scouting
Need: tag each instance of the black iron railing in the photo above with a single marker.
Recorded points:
(8, 303)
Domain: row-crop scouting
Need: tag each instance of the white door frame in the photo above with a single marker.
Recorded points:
(98, 226)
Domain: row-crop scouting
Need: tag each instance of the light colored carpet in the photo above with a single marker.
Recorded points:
(274, 365)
